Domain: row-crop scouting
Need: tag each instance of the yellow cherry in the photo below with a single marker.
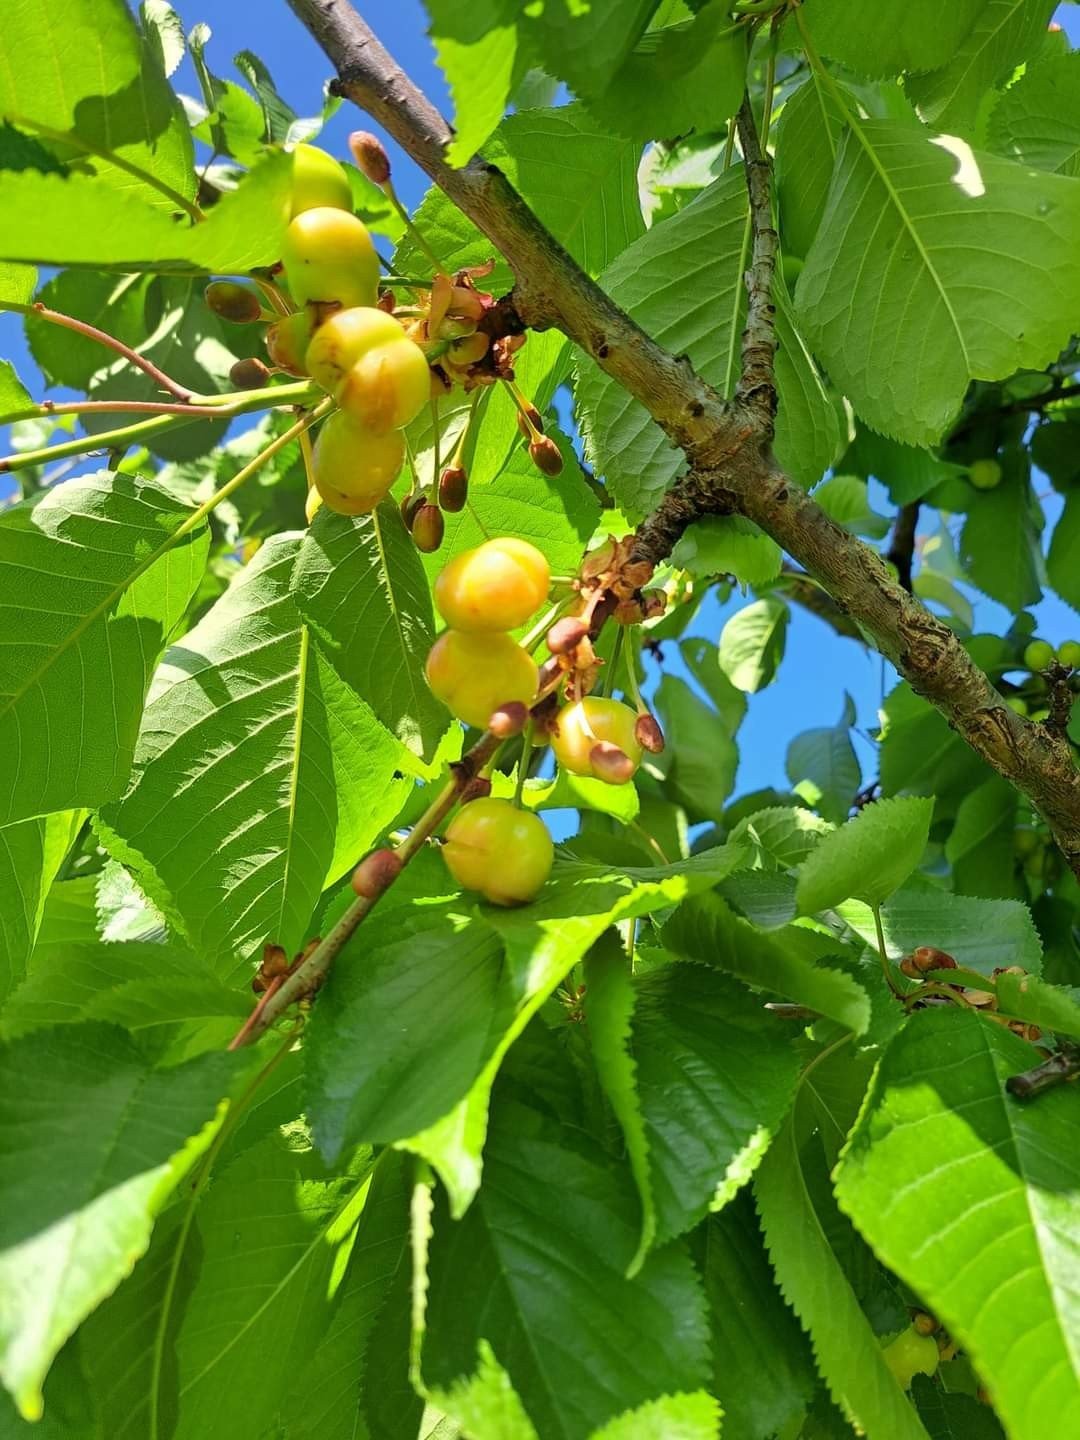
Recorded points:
(497, 586)
(590, 735)
(354, 469)
(319, 182)
(475, 675)
(504, 853)
(328, 257)
(371, 367)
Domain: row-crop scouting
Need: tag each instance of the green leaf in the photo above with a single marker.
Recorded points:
(982, 935)
(786, 962)
(688, 75)
(869, 858)
(932, 588)
(844, 499)
(920, 752)
(286, 776)
(93, 1142)
(485, 1402)
(14, 395)
(579, 179)
(476, 46)
(94, 575)
(111, 303)
(929, 248)
(84, 69)
(423, 983)
(728, 545)
(697, 1038)
(899, 35)
(808, 135)
(17, 283)
(752, 643)
(30, 855)
(1005, 33)
(1063, 558)
(673, 1417)
(543, 942)
(361, 587)
(1035, 121)
(941, 1152)
(780, 837)
(164, 31)
(278, 117)
(815, 1286)
(586, 46)
(1044, 1005)
(700, 755)
(763, 1373)
(823, 767)
(107, 229)
(523, 1276)
(704, 250)
(909, 471)
(1000, 541)
(952, 1415)
(233, 124)
(980, 848)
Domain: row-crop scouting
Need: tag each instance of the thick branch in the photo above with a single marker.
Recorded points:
(725, 442)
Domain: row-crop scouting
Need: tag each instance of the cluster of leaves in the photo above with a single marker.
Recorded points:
(676, 1149)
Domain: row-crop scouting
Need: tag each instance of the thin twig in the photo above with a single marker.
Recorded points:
(757, 383)
(91, 332)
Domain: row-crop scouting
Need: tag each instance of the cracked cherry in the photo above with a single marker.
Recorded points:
(319, 182)
(329, 258)
(503, 852)
(588, 732)
(353, 468)
(377, 374)
(497, 586)
(475, 675)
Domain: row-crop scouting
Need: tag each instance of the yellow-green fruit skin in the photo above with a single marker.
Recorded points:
(354, 469)
(287, 341)
(371, 367)
(504, 853)
(328, 257)
(473, 675)
(911, 1354)
(319, 182)
(1038, 654)
(1069, 654)
(584, 724)
(497, 586)
(985, 474)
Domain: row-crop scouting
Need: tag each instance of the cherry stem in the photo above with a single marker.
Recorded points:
(413, 230)
(458, 458)
(633, 689)
(435, 444)
(613, 664)
(523, 409)
(886, 969)
(68, 322)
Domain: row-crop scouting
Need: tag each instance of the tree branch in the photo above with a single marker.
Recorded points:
(902, 546)
(726, 442)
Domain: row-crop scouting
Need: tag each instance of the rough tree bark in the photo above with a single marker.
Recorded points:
(726, 442)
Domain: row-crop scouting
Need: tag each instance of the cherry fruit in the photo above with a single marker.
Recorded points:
(329, 258)
(591, 734)
(495, 587)
(319, 182)
(353, 468)
(911, 1354)
(287, 341)
(475, 675)
(985, 474)
(365, 360)
(1038, 654)
(504, 853)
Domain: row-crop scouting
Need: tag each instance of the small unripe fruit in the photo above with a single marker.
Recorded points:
(318, 182)
(233, 302)
(475, 675)
(370, 156)
(535, 418)
(924, 1324)
(410, 504)
(428, 528)
(353, 468)
(504, 853)
(911, 1354)
(1017, 704)
(1068, 654)
(371, 367)
(566, 635)
(648, 734)
(495, 587)
(611, 764)
(581, 727)
(287, 341)
(328, 257)
(453, 489)
(1038, 654)
(249, 375)
(1026, 842)
(985, 474)
(509, 719)
(376, 873)
(546, 456)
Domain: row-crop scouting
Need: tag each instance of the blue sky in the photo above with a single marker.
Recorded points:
(819, 666)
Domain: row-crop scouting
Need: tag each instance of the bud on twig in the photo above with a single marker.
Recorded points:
(509, 719)
(546, 456)
(375, 873)
(566, 635)
(453, 488)
(249, 374)
(924, 1324)
(928, 957)
(370, 155)
(428, 528)
(233, 302)
(610, 763)
(648, 734)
